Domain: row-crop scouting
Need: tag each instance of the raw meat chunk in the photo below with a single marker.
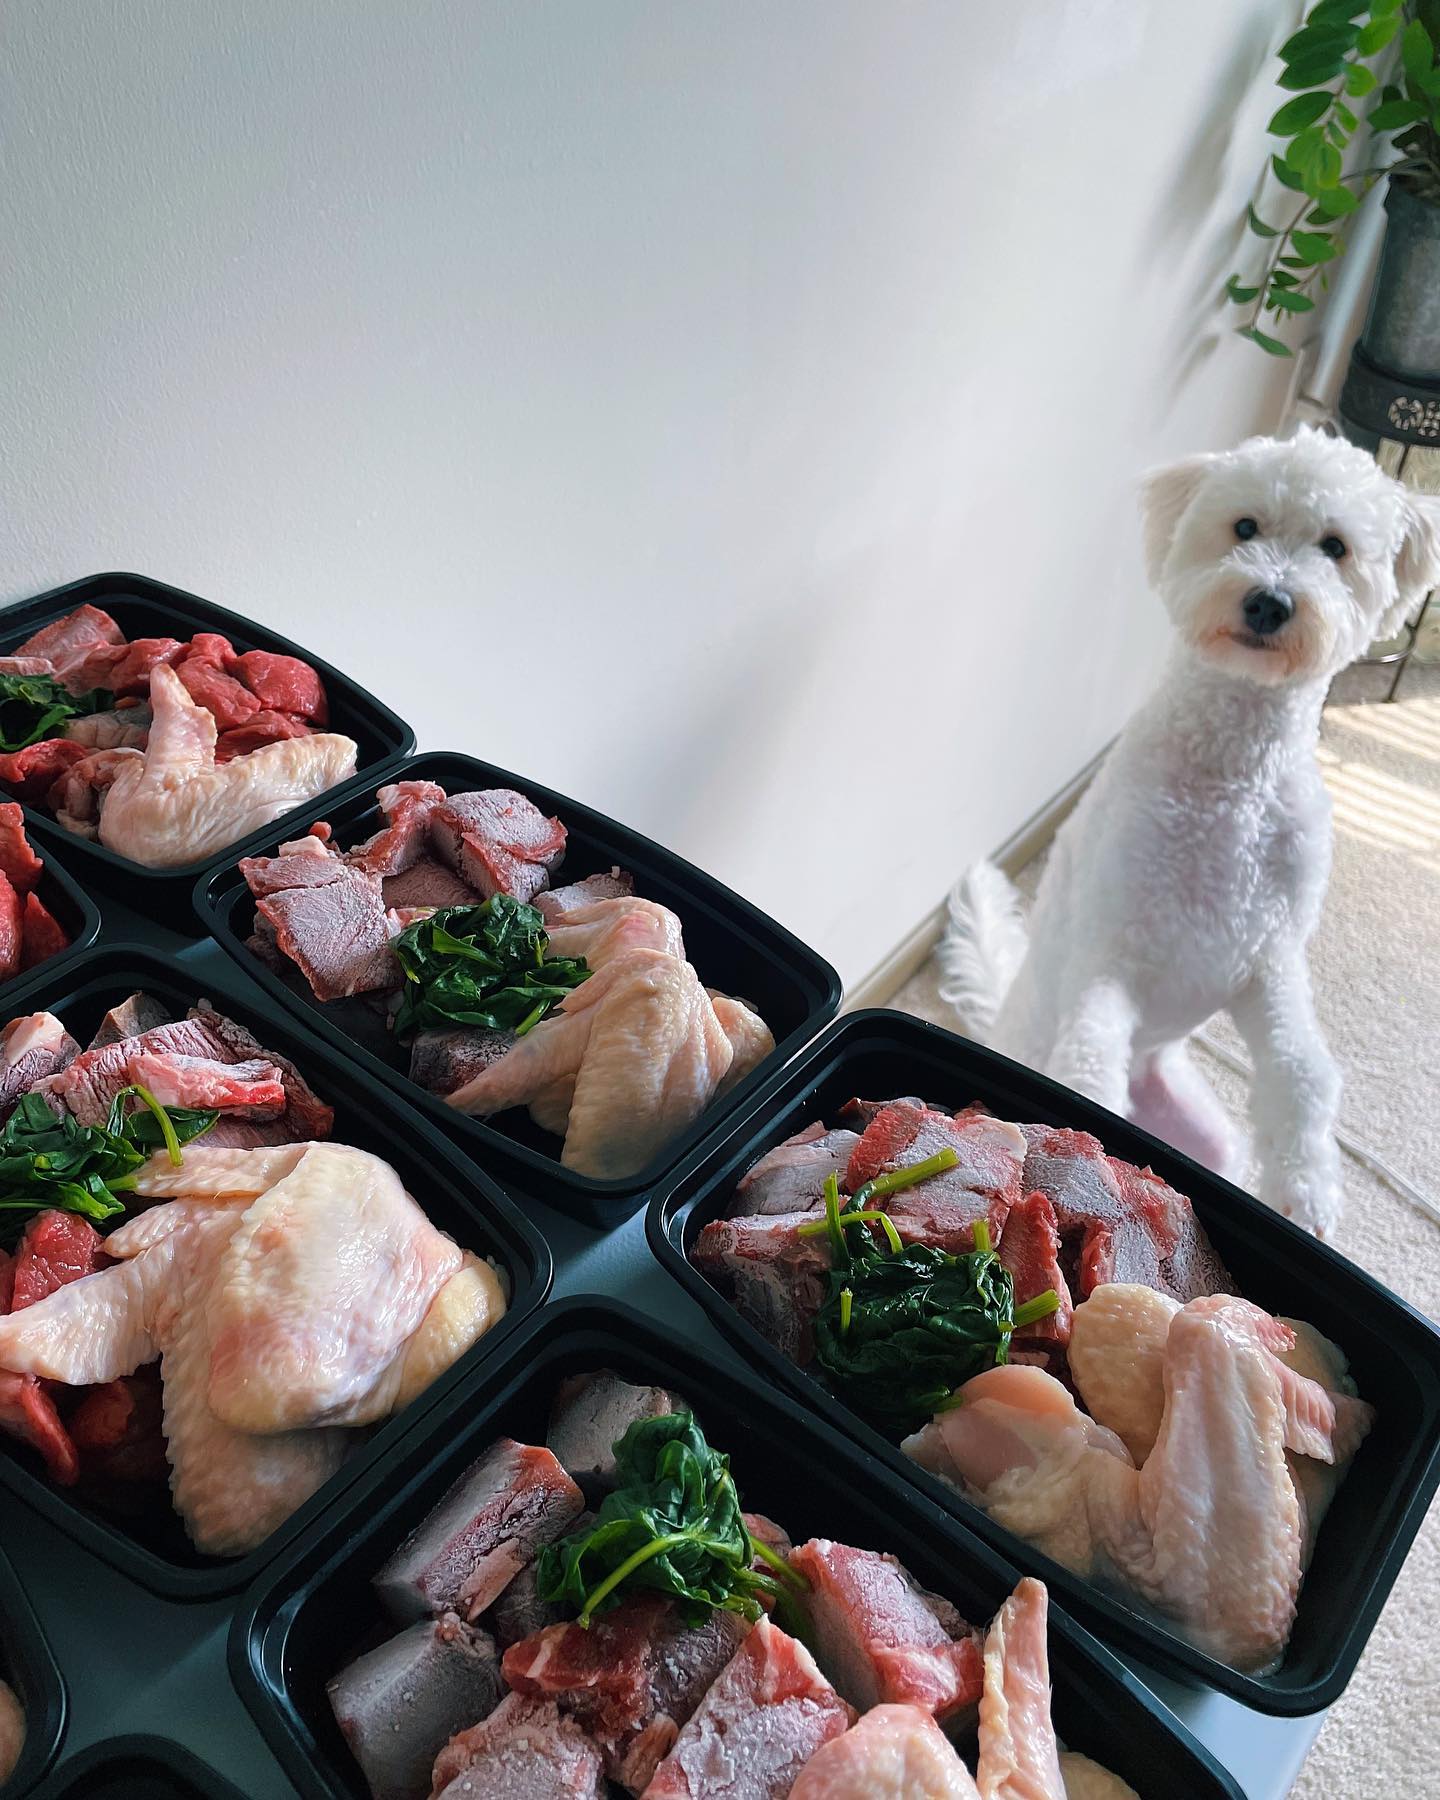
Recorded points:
(1117, 1361)
(31, 1047)
(883, 1638)
(228, 700)
(140, 1013)
(520, 1612)
(129, 673)
(428, 883)
(589, 1416)
(400, 1704)
(893, 1753)
(118, 1429)
(12, 930)
(404, 838)
(526, 1750)
(764, 1717)
(860, 1114)
(555, 903)
(632, 1678)
(199, 1081)
(307, 1117)
(285, 684)
(18, 862)
(775, 1277)
(57, 1248)
(32, 772)
(444, 1061)
(496, 1518)
(12, 1731)
(792, 1176)
(984, 1184)
(41, 933)
(499, 841)
(1030, 1250)
(304, 862)
(332, 925)
(68, 640)
(259, 729)
(28, 1413)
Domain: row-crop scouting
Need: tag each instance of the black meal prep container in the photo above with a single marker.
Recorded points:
(146, 608)
(62, 896)
(315, 1610)
(1394, 1352)
(136, 1768)
(733, 945)
(149, 1544)
(29, 1668)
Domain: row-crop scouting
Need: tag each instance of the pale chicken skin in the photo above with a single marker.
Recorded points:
(306, 1291)
(1087, 1780)
(607, 928)
(1019, 1757)
(892, 1753)
(12, 1731)
(1117, 1360)
(1209, 1531)
(174, 803)
(627, 1062)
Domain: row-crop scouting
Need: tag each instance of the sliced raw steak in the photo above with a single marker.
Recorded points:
(256, 1088)
(526, 1750)
(763, 1719)
(883, 1638)
(589, 1416)
(1030, 1250)
(405, 836)
(443, 1061)
(495, 1519)
(428, 883)
(331, 922)
(942, 1210)
(130, 1018)
(499, 841)
(31, 1047)
(792, 1176)
(775, 1276)
(18, 862)
(557, 902)
(399, 1705)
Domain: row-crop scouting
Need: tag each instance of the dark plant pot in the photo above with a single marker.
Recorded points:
(1402, 333)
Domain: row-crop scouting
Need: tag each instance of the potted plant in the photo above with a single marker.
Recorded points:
(1347, 52)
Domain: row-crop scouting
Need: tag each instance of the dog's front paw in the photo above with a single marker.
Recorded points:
(1314, 1202)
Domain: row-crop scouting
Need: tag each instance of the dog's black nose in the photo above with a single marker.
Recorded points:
(1266, 610)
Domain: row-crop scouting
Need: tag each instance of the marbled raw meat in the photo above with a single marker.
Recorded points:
(404, 838)
(775, 1274)
(498, 840)
(32, 1047)
(526, 1750)
(590, 1414)
(792, 1176)
(983, 1184)
(18, 862)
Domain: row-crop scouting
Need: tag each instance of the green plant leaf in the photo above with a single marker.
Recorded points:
(1417, 53)
(1358, 80)
(1240, 295)
(1314, 246)
(1296, 114)
(1317, 39)
(1334, 203)
(1283, 300)
(1377, 34)
(1294, 262)
(1283, 278)
(1345, 117)
(1258, 225)
(1285, 175)
(1390, 115)
(1380, 9)
(1333, 12)
(1271, 346)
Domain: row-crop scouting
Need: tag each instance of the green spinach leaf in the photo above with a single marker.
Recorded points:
(482, 966)
(34, 706)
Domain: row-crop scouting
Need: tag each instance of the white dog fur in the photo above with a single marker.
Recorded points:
(1189, 879)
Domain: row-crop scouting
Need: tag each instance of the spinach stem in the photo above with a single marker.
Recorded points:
(1039, 1308)
(167, 1130)
(847, 1302)
(834, 1223)
(656, 1547)
(981, 1237)
(894, 1180)
(801, 1583)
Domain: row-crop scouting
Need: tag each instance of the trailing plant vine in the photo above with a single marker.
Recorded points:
(1341, 53)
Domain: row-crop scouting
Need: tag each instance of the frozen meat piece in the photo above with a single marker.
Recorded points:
(199, 1081)
(428, 883)
(31, 1047)
(499, 841)
(775, 1275)
(792, 1176)
(404, 838)
(983, 1184)
(399, 1705)
(1030, 1250)
(556, 902)
(328, 917)
(442, 1061)
(139, 1013)
(520, 1612)
(495, 1519)
(589, 1416)
(526, 1750)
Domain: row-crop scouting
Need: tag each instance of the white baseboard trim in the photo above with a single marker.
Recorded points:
(909, 956)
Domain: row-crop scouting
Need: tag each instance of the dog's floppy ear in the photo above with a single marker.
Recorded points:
(1164, 495)
(1417, 563)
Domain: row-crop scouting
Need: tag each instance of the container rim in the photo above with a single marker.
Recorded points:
(173, 1759)
(30, 1666)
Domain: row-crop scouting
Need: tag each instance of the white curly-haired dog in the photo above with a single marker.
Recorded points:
(1189, 879)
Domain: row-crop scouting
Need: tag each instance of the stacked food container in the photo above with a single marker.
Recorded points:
(147, 1666)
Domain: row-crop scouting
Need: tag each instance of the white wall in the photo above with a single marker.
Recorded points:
(725, 411)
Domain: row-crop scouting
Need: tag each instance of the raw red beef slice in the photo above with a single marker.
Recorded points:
(57, 1248)
(526, 1750)
(17, 860)
(28, 1413)
(228, 700)
(199, 1081)
(763, 1719)
(33, 771)
(137, 1014)
(68, 640)
(942, 1210)
(259, 729)
(31, 1047)
(1030, 1250)
(499, 841)
(128, 674)
(496, 1518)
(404, 838)
(283, 683)
(399, 1705)
(41, 933)
(792, 1176)
(775, 1275)
(331, 922)
(589, 1416)
(884, 1638)
(12, 930)
(632, 1678)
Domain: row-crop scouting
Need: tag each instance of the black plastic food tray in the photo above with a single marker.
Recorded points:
(732, 944)
(72, 907)
(28, 1666)
(1394, 1352)
(315, 1610)
(149, 1544)
(136, 1768)
(146, 608)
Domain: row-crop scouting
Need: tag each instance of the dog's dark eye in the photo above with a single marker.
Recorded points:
(1245, 529)
(1333, 546)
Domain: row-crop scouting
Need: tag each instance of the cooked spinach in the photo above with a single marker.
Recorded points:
(673, 1525)
(32, 706)
(483, 966)
(903, 1325)
(54, 1161)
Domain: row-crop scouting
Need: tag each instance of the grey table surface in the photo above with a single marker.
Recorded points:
(135, 1663)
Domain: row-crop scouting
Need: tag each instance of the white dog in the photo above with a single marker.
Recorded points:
(1190, 878)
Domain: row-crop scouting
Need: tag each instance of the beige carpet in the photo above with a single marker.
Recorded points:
(1376, 962)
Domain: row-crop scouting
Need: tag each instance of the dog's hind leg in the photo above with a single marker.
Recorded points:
(1295, 1094)
(1092, 1047)
(1171, 1097)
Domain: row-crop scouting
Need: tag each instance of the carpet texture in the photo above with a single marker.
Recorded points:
(1376, 967)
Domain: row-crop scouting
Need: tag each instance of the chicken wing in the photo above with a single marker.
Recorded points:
(1019, 1758)
(893, 1753)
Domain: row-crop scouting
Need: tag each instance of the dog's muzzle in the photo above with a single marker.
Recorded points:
(1266, 610)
